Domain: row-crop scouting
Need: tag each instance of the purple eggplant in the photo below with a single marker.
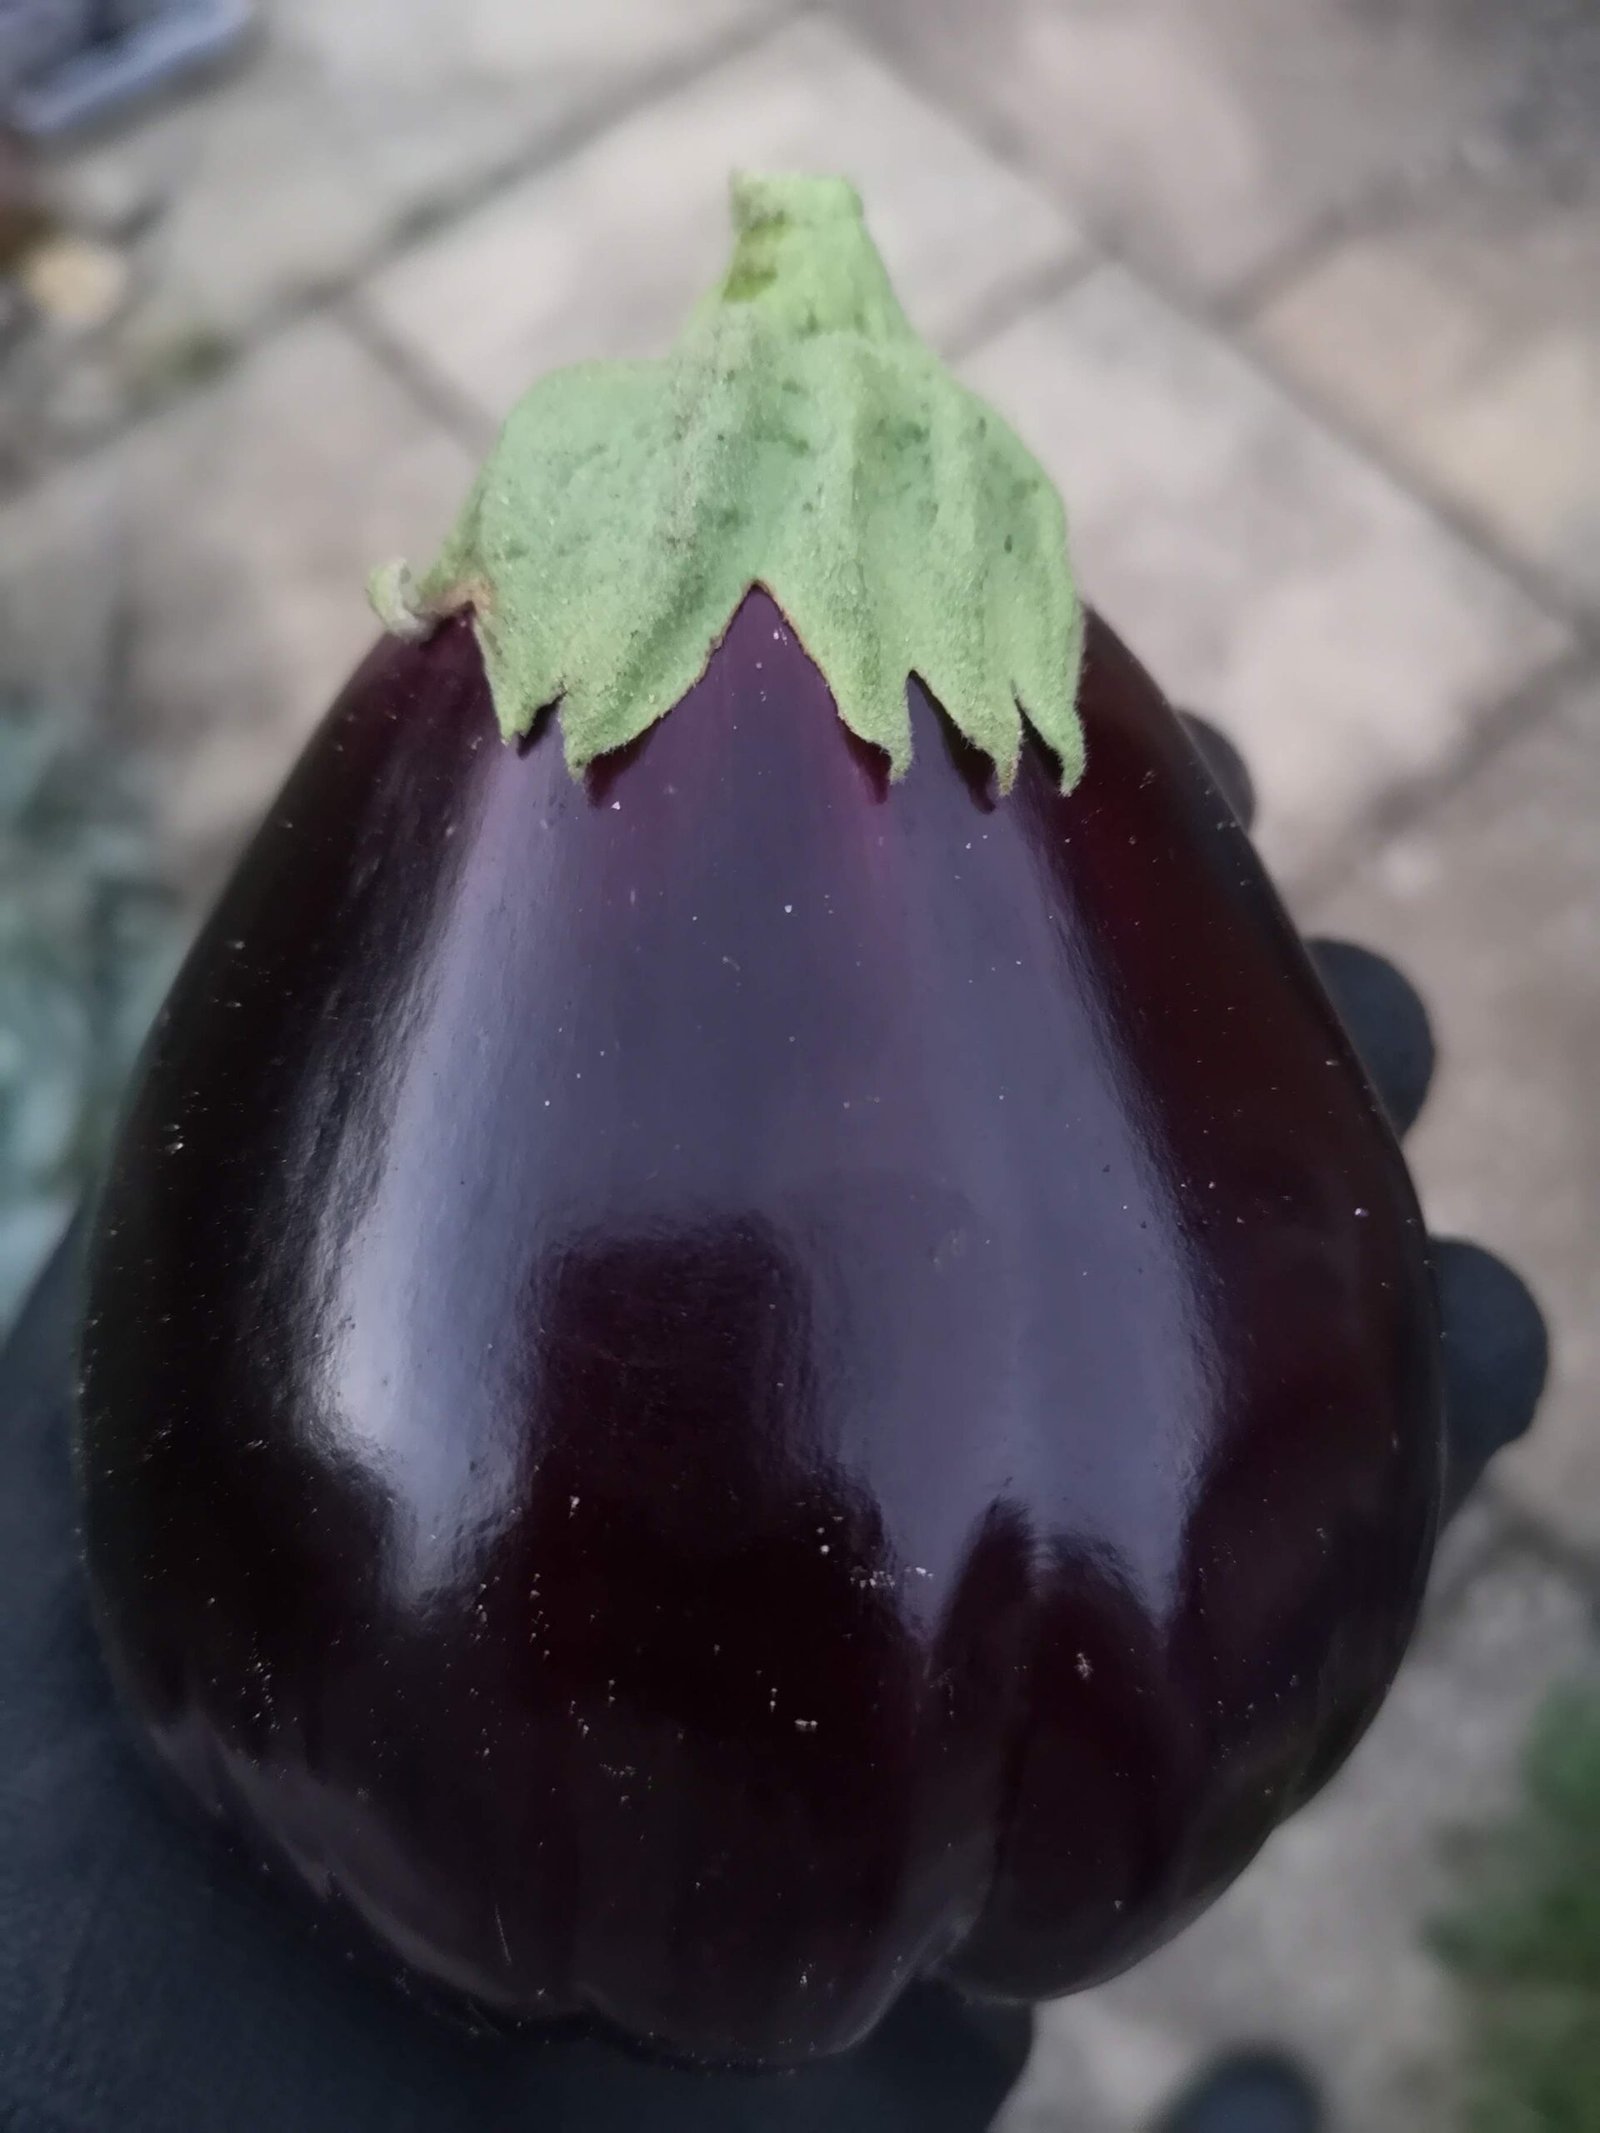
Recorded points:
(795, 1361)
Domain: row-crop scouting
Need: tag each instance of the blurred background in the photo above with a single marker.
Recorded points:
(1300, 302)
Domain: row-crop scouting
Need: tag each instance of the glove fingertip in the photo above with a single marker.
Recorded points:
(1496, 1357)
(1229, 772)
(1387, 1022)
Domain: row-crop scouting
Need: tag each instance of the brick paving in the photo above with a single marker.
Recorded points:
(1299, 300)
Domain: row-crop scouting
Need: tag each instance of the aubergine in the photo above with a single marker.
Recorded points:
(753, 1333)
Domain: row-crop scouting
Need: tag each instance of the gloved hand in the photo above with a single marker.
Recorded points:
(146, 1986)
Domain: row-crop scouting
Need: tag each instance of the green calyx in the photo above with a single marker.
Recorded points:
(798, 437)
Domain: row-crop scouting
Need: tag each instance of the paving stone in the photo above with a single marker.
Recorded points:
(1481, 1530)
(1210, 137)
(256, 511)
(61, 556)
(1269, 575)
(1492, 906)
(604, 255)
(350, 121)
(1319, 1947)
(1464, 334)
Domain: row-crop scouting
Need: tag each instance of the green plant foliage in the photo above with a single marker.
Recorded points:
(89, 937)
(1524, 1943)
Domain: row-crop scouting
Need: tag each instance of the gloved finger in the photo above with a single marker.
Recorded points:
(1381, 1009)
(1226, 765)
(1496, 1359)
(1253, 2092)
(1387, 1021)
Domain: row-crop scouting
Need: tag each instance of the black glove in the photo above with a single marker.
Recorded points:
(147, 1986)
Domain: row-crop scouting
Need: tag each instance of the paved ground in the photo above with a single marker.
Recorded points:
(1300, 300)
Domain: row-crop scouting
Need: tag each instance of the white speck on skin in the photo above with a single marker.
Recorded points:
(788, 909)
(1084, 1668)
(572, 1503)
(616, 807)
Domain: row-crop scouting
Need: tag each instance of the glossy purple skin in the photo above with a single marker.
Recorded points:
(710, 1390)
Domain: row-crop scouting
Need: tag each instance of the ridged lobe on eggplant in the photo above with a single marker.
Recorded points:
(708, 1390)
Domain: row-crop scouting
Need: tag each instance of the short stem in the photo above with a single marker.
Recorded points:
(804, 262)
